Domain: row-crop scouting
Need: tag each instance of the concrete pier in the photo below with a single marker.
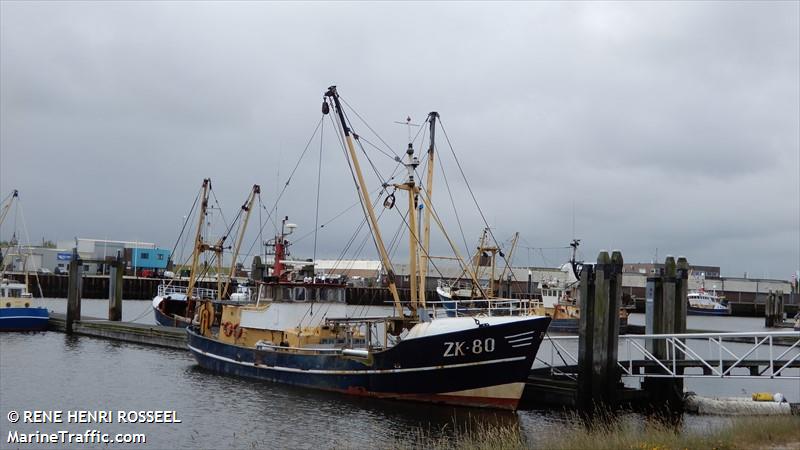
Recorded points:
(122, 331)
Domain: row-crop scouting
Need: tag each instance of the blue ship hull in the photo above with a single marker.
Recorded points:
(23, 319)
(167, 321)
(452, 368)
(707, 312)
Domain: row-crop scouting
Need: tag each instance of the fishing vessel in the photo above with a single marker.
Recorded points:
(171, 305)
(704, 303)
(414, 353)
(17, 312)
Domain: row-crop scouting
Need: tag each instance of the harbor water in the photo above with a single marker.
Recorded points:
(52, 371)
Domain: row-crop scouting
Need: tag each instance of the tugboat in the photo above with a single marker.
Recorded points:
(412, 354)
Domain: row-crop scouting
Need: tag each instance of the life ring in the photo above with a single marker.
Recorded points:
(238, 331)
(227, 328)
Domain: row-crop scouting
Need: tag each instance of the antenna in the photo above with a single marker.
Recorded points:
(408, 124)
(573, 221)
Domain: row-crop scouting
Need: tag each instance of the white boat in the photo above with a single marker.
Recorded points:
(704, 303)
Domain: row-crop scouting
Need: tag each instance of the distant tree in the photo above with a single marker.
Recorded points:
(48, 243)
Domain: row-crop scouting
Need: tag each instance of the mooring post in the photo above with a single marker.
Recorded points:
(530, 284)
(615, 304)
(769, 304)
(115, 281)
(600, 330)
(666, 391)
(652, 310)
(585, 337)
(670, 278)
(74, 291)
(681, 294)
(681, 307)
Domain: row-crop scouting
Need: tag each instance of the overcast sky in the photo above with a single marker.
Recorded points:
(654, 128)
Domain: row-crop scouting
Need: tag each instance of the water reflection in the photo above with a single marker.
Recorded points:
(54, 371)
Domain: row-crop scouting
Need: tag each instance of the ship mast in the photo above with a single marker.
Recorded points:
(198, 239)
(7, 206)
(426, 233)
(280, 245)
(247, 207)
(201, 247)
(3, 212)
(413, 203)
(366, 203)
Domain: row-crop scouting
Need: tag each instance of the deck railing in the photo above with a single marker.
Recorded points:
(197, 292)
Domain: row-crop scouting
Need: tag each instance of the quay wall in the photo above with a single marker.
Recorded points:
(137, 288)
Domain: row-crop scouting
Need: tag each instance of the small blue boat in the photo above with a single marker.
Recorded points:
(16, 310)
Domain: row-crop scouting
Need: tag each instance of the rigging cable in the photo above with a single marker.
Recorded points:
(30, 250)
(472, 194)
(319, 183)
(280, 195)
(185, 222)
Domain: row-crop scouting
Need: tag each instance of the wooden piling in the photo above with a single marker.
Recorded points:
(615, 303)
(668, 317)
(681, 294)
(115, 290)
(653, 308)
(585, 336)
(600, 327)
(773, 309)
(74, 292)
(680, 310)
(601, 297)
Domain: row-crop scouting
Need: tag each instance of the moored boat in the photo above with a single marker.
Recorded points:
(412, 354)
(17, 312)
(457, 361)
(173, 303)
(704, 303)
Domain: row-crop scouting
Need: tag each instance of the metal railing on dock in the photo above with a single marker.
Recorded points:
(766, 355)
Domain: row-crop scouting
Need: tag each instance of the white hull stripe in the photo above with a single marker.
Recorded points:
(354, 372)
(515, 341)
(521, 334)
(522, 345)
(24, 317)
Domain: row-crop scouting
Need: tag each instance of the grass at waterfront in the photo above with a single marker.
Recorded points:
(776, 432)
(739, 433)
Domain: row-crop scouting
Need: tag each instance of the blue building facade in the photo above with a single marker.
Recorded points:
(150, 258)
